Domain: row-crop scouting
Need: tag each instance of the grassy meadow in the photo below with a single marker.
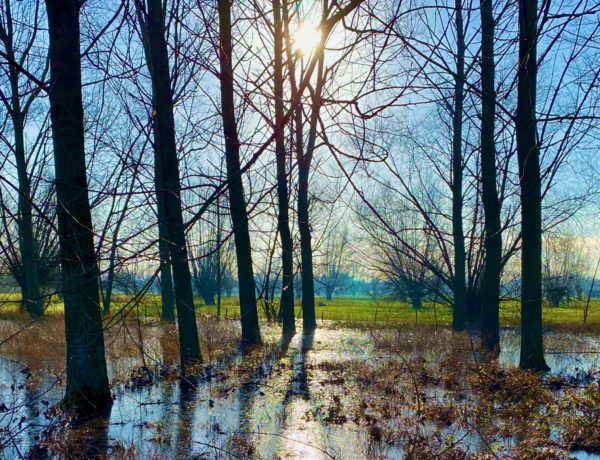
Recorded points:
(346, 309)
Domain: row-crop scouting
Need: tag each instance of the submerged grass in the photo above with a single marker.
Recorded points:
(415, 392)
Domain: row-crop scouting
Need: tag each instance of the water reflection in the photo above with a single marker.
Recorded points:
(265, 403)
(188, 397)
(566, 354)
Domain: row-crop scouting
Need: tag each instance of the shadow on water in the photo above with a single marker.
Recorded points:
(258, 411)
(280, 400)
(189, 395)
(295, 437)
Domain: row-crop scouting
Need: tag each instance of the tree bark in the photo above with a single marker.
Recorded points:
(490, 290)
(167, 297)
(532, 344)
(87, 389)
(287, 244)
(237, 201)
(167, 181)
(459, 315)
(309, 319)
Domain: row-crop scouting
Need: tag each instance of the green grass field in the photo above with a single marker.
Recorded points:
(354, 309)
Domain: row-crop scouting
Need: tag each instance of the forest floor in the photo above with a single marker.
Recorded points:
(348, 391)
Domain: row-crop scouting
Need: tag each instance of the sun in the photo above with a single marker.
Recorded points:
(306, 38)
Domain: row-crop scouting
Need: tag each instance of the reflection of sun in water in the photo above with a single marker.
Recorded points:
(306, 38)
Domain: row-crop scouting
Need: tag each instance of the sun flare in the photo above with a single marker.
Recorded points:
(306, 38)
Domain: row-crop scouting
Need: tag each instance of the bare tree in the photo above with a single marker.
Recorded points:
(334, 260)
(166, 167)
(18, 103)
(237, 200)
(304, 157)
(287, 244)
(87, 389)
(399, 264)
(459, 312)
(532, 344)
(490, 289)
(45, 239)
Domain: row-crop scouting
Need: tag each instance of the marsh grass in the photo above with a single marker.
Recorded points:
(429, 391)
(40, 345)
(417, 391)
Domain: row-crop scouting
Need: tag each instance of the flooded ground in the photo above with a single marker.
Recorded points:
(340, 393)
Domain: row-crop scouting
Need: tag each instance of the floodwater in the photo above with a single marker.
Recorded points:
(279, 404)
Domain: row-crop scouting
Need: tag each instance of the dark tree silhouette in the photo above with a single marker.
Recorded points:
(166, 275)
(528, 152)
(459, 315)
(490, 288)
(87, 389)
(287, 244)
(18, 106)
(304, 158)
(237, 201)
(166, 176)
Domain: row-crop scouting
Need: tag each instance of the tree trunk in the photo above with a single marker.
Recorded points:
(416, 300)
(87, 389)
(586, 308)
(209, 298)
(304, 159)
(474, 305)
(237, 201)
(30, 289)
(532, 344)
(287, 244)
(309, 320)
(459, 315)
(555, 297)
(167, 297)
(219, 264)
(110, 276)
(490, 289)
(167, 181)
(329, 293)
(267, 308)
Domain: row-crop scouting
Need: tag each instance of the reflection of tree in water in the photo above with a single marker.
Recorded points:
(88, 441)
(242, 440)
(299, 387)
(36, 451)
(188, 397)
(299, 383)
(279, 410)
(299, 402)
